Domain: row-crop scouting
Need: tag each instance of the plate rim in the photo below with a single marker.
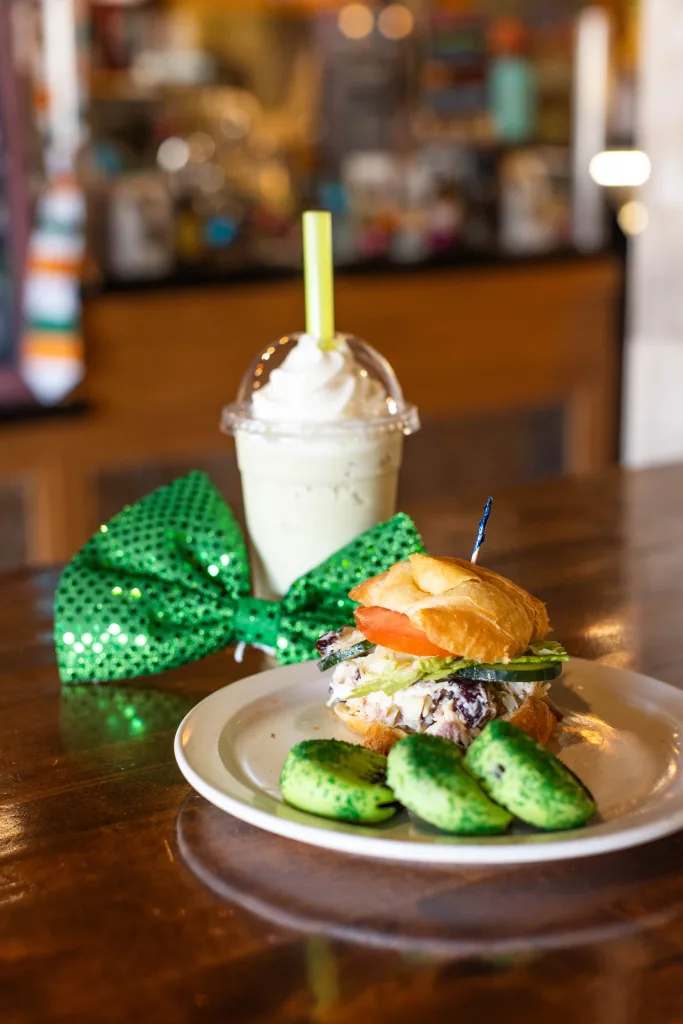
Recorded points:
(568, 845)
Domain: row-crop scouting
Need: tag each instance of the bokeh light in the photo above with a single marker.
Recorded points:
(355, 21)
(210, 178)
(396, 22)
(236, 124)
(173, 154)
(620, 168)
(633, 217)
(201, 146)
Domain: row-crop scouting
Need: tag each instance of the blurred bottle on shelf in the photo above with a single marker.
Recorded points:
(535, 209)
(553, 63)
(512, 82)
(140, 227)
(454, 77)
(189, 234)
(464, 215)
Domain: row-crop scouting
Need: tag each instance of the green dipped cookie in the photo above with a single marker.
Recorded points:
(338, 780)
(427, 774)
(523, 776)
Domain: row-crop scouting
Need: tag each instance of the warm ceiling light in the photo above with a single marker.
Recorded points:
(173, 154)
(355, 21)
(620, 168)
(211, 178)
(395, 22)
(202, 147)
(633, 217)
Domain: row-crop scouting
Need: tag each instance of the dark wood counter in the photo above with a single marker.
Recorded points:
(125, 897)
(468, 345)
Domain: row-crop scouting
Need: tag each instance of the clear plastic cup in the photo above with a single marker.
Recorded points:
(310, 487)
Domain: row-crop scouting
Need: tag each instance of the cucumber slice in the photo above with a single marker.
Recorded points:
(506, 674)
(364, 647)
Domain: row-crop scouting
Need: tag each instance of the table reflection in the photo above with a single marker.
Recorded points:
(436, 911)
(92, 715)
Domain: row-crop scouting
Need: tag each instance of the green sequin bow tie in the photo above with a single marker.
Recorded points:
(166, 581)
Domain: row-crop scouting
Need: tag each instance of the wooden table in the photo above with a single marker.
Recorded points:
(127, 898)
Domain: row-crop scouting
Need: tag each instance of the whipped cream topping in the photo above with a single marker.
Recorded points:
(315, 385)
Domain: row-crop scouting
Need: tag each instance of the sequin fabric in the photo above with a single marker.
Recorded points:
(166, 582)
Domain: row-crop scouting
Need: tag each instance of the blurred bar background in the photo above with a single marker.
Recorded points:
(435, 132)
(478, 245)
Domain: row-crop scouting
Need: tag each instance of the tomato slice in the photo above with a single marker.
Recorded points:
(395, 631)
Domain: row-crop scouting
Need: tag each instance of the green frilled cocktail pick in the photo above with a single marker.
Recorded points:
(166, 582)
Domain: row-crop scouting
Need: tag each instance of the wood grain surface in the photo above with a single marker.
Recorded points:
(125, 897)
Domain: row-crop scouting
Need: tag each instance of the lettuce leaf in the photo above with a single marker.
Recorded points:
(391, 681)
(433, 669)
(400, 675)
(541, 651)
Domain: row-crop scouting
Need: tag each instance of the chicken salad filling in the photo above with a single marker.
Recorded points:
(422, 694)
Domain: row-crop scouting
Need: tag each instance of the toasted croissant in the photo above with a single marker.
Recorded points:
(464, 609)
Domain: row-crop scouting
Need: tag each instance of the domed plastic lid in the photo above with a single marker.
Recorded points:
(298, 385)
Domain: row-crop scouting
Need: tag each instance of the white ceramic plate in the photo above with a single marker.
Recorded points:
(620, 735)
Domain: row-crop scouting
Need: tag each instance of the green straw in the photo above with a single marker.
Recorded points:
(319, 276)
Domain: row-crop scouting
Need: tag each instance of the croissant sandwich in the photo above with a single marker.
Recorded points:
(442, 646)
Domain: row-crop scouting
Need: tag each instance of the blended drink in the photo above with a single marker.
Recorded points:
(319, 423)
(319, 445)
